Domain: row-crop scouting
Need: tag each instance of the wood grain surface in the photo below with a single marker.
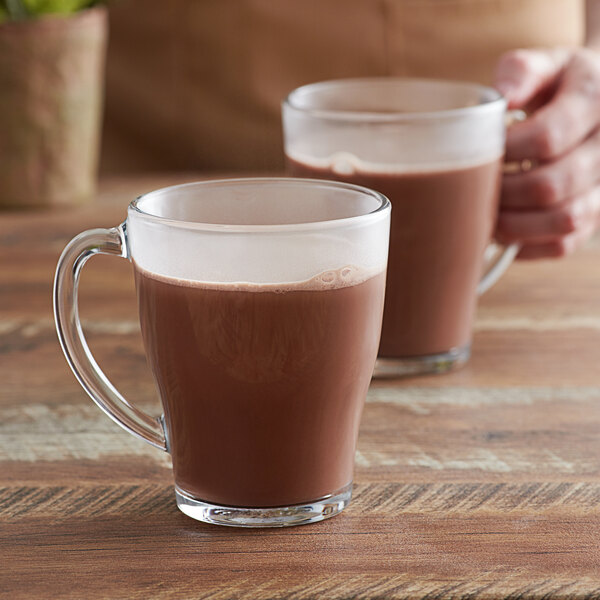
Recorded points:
(483, 483)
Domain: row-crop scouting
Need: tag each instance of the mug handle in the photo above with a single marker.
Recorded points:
(70, 334)
(500, 257)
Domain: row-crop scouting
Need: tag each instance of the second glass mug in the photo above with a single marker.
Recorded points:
(435, 149)
(260, 303)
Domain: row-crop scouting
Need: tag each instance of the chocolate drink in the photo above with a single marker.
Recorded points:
(262, 385)
(441, 224)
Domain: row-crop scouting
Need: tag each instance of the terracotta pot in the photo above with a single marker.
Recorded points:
(51, 91)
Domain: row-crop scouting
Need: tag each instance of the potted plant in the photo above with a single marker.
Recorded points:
(52, 56)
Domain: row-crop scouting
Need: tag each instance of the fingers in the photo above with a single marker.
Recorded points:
(549, 225)
(557, 248)
(553, 183)
(551, 233)
(567, 119)
(555, 207)
(523, 74)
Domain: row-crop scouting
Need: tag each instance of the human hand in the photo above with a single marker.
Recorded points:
(553, 207)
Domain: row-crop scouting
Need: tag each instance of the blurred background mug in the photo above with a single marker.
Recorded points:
(260, 304)
(435, 149)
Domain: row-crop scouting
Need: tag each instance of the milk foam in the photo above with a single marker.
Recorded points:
(180, 244)
(367, 140)
(327, 280)
(346, 164)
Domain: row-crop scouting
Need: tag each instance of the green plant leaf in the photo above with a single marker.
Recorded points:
(57, 7)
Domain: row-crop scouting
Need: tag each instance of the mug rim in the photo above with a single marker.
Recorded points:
(372, 216)
(496, 101)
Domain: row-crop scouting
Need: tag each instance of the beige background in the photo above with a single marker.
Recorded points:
(197, 84)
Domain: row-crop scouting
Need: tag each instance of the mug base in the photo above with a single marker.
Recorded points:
(430, 364)
(279, 516)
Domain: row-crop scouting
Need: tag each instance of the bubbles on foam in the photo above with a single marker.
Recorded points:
(344, 163)
(327, 280)
(350, 275)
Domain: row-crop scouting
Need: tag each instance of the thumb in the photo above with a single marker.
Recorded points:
(522, 74)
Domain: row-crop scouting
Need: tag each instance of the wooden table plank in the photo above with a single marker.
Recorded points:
(482, 483)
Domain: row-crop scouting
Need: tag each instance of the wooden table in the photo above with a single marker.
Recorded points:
(483, 483)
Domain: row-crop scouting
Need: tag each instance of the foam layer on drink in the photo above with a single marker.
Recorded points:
(345, 164)
(385, 126)
(258, 258)
(327, 280)
(257, 231)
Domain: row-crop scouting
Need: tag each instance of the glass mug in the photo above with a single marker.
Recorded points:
(435, 149)
(260, 304)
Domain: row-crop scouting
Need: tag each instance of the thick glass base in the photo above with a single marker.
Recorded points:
(280, 516)
(422, 365)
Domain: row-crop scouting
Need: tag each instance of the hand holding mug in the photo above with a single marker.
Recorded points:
(553, 206)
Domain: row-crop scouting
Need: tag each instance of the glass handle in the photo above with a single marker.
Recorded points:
(73, 342)
(499, 259)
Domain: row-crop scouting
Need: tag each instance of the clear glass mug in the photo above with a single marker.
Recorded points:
(260, 304)
(435, 149)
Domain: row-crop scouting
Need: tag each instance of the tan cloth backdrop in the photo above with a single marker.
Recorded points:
(197, 84)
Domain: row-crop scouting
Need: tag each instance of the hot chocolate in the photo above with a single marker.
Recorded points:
(442, 221)
(262, 384)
